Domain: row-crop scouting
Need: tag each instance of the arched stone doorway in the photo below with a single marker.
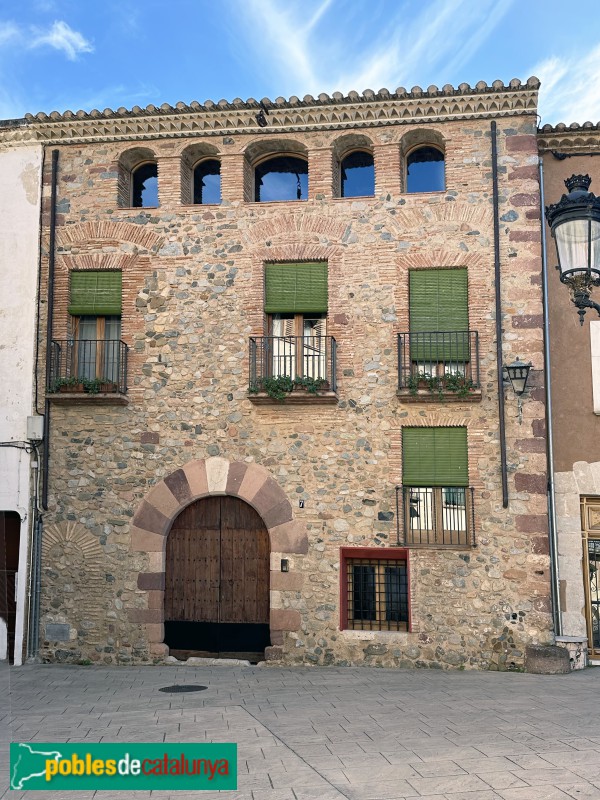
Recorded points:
(214, 477)
(217, 581)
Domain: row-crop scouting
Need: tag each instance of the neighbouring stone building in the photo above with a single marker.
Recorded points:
(575, 380)
(275, 419)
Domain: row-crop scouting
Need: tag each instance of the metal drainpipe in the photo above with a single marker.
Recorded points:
(35, 583)
(49, 325)
(35, 566)
(499, 359)
(553, 535)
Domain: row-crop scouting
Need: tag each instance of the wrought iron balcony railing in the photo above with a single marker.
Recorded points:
(88, 365)
(307, 361)
(437, 516)
(438, 360)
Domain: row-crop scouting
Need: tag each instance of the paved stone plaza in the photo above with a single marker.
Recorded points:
(329, 733)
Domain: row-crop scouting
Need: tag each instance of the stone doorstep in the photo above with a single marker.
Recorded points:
(207, 662)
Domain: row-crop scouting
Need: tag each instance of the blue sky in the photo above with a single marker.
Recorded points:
(72, 54)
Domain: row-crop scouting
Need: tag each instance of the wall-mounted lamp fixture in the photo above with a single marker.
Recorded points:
(285, 565)
(575, 225)
(517, 373)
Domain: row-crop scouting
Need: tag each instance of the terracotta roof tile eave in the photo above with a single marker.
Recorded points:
(563, 127)
(368, 96)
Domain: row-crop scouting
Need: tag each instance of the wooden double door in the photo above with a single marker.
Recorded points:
(217, 580)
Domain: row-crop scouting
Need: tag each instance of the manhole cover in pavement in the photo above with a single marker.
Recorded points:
(183, 687)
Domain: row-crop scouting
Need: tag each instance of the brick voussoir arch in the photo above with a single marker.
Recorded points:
(205, 478)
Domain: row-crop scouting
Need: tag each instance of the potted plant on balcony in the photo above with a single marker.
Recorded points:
(70, 384)
(450, 383)
(281, 386)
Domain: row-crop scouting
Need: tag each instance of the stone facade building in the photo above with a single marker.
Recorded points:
(275, 418)
(575, 382)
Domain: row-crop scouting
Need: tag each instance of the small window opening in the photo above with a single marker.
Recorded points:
(145, 186)
(425, 170)
(207, 182)
(358, 175)
(281, 178)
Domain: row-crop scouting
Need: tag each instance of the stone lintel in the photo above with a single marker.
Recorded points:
(151, 580)
(195, 472)
(150, 519)
(145, 616)
(161, 497)
(287, 619)
(178, 484)
(144, 541)
(286, 581)
(216, 475)
(291, 537)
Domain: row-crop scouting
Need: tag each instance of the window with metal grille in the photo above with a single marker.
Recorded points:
(375, 592)
(440, 341)
(296, 305)
(437, 501)
(95, 308)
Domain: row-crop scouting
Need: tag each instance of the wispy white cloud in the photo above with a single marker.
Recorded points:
(9, 32)
(62, 37)
(298, 44)
(570, 90)
(283, 38)
(45, 5)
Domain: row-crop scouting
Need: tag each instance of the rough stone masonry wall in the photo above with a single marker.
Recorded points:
(193, 294)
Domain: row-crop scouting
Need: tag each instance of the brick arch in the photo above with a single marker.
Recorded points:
(290, 226)
(450, 214)
(105, 231)
(206, 478)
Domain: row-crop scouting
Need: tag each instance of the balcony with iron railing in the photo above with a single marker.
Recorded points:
(438, 366)
(436, 516)
(293, 369)
(88, 370)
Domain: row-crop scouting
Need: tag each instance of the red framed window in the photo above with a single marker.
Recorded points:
(374, 589)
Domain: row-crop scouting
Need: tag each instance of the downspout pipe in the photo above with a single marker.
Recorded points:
(499, 358)
(49, 325)
(552, 532)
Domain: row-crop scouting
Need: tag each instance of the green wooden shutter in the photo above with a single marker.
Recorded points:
(296, 287)
(434, 457)
(438, 302)
(95, 293)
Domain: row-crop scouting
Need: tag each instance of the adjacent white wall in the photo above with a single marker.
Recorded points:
(20, 182)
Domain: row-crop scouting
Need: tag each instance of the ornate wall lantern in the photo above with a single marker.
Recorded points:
(517, 373)
(575, 225)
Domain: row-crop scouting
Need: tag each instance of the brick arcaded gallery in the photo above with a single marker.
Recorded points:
(274, 412)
